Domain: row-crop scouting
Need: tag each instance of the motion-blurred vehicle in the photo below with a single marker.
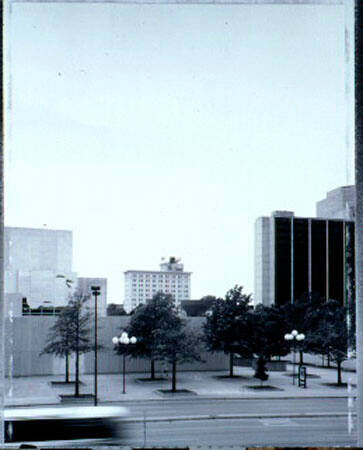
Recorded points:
(104, 423)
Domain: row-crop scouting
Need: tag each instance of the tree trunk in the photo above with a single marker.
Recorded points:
(67, 367)
(173, 389)
(152, 369)
(76, 391)
(328, 360)
(339, 372)
(231, 364)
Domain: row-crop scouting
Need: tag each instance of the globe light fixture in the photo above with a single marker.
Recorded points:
(124, 339)
(294, 336)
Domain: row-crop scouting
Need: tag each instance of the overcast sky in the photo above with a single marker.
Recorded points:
(160, 130)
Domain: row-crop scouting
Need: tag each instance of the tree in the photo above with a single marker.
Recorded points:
(58, 341)
(261, 370)
(300, 315)
(269, 329)
(330, 335)
(228, 325)
(350, 285)
(178, 345)
(71, 333)
(157, 326)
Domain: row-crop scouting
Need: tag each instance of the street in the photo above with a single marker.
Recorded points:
(282, 432)
(220, 423)
(196, 406)
(277, 422)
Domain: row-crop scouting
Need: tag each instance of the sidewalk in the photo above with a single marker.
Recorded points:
(28, 391)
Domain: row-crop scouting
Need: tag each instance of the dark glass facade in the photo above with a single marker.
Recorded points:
(324, 268)
(336, 261)
(282, 260)
(318, 256)
(300, 257)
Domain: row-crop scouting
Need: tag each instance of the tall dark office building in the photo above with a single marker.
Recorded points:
(295, 255)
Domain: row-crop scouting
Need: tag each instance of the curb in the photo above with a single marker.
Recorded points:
(191, 398)
(236, 416)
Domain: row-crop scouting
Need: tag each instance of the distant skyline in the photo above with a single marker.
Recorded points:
(166, 130)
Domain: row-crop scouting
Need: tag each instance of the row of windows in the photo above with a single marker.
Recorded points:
(179, 277)
(134, 299)
(160, 284)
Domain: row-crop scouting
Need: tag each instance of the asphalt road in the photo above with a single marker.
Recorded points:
(277, 422)
(242, 433)
(196, 406)
(219, 424)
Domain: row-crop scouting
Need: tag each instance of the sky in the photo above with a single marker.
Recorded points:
(166, 130)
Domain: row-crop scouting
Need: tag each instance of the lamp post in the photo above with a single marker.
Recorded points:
(96, 291)
(124, 339)
(294, 336)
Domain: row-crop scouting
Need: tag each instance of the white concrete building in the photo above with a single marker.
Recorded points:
(141, 285)
(34, 261)
(338, 204)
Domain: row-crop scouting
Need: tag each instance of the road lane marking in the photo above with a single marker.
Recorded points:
(277, 422)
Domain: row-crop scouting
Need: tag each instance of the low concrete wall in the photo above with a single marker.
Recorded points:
(109, 362)
(272, 366)
(25, 338)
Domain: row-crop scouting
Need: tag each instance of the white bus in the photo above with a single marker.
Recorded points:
(70, 423)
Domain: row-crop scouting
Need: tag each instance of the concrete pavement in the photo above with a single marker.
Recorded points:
(27, 391)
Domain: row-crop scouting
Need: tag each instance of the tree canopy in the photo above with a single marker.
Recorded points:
(228, 325)
(71, 333)
(161, 333)
(270, 327)
(329, 335)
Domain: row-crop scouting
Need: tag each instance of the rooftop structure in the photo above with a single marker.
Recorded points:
(338, 204)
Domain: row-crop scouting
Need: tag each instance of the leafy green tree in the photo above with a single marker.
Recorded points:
(71, 333)
(228, 325)
(157, 326)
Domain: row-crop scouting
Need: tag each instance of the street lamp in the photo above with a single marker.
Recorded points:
(124, 339)
(96, 291)
(294, 336)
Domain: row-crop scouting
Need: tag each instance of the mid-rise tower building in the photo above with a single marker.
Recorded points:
(296, 255)
(141, 285)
